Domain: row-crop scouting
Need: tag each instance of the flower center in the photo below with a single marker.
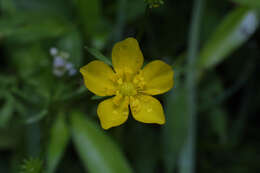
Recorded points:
(127, 89)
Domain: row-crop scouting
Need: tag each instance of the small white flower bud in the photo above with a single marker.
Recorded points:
(53, 51)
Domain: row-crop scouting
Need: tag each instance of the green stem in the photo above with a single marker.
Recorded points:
(120, 19)
(187, 160)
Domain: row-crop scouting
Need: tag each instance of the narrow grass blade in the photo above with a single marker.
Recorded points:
(99, 55)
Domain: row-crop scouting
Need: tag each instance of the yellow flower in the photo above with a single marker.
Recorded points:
(130, 84)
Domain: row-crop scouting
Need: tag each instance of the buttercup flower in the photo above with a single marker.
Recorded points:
(130, 84)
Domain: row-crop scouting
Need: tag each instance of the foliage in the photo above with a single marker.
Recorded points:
(32, 166)
(46, 112)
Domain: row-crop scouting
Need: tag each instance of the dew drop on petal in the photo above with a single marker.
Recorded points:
(115, 112)
(149, 109)
(125, 113)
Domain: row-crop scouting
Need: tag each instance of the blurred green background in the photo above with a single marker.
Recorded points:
(48, 120)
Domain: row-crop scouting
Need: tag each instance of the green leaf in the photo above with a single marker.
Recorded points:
(7, 110)
(97, 151)
(37, 117)
(77, 93)
(251, 3)
(97, 54)
(95, 97)
(28, 27)
(235, 30)
(32, 165)
(58, 141)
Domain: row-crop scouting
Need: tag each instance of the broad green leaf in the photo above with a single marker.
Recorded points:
(41, 29)
(251, 3)
(97, 151)
(28, 27)
(97, 54)
(58, 141)
(235, 30)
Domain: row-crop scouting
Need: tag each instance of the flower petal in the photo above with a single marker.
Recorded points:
(112, 115)
(127, 56)
(147, 109)
(158, 77)
(98, 78)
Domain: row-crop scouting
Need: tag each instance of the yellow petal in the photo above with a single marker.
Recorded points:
(111, 114)
(98, 78)
(147, 109)
(127, 56)
(158, 77)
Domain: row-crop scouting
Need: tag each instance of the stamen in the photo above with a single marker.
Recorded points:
(135, 105)
(120, 81)
(109, 91)
(128, 89)
(117, 99)
(139, 81)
